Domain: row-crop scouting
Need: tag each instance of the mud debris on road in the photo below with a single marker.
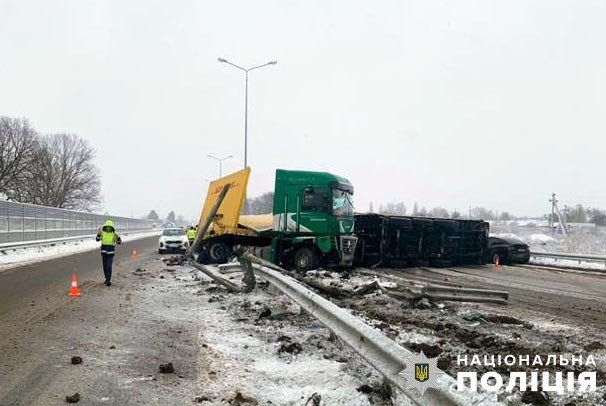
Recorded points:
(75, 398)
(167, 368)
(76, 360)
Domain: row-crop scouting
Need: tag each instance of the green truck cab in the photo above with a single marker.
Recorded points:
(313, 220)
(311, 224)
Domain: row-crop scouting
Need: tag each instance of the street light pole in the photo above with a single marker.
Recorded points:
(246, 123)
(246, 70)
(220, 160)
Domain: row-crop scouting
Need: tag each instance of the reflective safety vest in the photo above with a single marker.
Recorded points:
(191, 234)
(108, 238)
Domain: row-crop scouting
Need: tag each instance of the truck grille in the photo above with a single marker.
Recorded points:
(348, 244)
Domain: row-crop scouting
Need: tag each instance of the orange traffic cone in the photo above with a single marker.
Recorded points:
(75, 290)
(496, 263)
(134, 255)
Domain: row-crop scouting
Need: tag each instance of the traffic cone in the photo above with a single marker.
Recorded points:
(496, 263)
(75, 290)
(134, 255)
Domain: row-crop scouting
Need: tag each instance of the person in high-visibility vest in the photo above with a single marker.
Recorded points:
(109, 238)
(191, 235)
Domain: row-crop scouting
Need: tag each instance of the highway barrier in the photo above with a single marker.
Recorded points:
(27, 224)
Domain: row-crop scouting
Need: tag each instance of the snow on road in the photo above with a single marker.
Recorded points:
(11, 258)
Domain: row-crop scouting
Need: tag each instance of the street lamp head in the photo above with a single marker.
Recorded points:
(221, 60)
(272, 63)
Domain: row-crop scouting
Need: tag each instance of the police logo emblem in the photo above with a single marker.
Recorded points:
(421, 372)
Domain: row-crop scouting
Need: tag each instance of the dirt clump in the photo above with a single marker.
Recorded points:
(467, 336)
(240, 400)
(175, 260)
(594, 346)
(429, 350)
(366, 389)
(76, 360)
(75, 398)
(290, 348)
(265, 313)
(167, 368)
(314, 400)
(536, 398)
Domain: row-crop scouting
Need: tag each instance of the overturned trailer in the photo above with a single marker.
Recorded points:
(400, 241)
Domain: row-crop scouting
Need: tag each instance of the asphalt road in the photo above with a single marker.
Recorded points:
(34, 300)
(116, 331)
(50, 280)
(574, 297)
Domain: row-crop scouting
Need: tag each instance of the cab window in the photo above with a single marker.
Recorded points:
(315, 199)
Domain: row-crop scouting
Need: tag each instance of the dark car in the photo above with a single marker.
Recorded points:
(507, 250)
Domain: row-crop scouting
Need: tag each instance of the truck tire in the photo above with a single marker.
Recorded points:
(306, 259)
(202, 257)
(219, 252)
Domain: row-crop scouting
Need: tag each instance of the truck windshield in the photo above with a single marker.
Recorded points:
(342, 203)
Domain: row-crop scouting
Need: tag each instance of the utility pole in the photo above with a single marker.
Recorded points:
(553, 201)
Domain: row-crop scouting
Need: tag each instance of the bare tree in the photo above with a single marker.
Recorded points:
(397, 209)
(62, 175)
(439, 212)
(262, 204)
(18, 143)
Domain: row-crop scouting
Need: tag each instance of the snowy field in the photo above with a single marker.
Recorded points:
(578, 241)
(11, 258)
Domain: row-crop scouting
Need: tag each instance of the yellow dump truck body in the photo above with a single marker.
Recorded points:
(227, 218)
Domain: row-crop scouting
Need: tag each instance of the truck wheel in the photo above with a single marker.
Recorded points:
(306, 259)
(161, 252)
(219, 252)
(202, 257)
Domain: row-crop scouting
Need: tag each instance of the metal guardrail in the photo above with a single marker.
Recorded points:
(384, 354)
(54, 241)
(570, 257)
(21, 223)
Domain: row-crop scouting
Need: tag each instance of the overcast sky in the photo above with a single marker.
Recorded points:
(447, 103)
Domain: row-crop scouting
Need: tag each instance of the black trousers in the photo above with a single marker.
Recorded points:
(108, 260)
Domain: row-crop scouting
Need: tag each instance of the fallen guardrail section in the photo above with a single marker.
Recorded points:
(382, 353)
(453, 294)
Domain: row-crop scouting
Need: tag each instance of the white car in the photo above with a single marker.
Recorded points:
(173, 239)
